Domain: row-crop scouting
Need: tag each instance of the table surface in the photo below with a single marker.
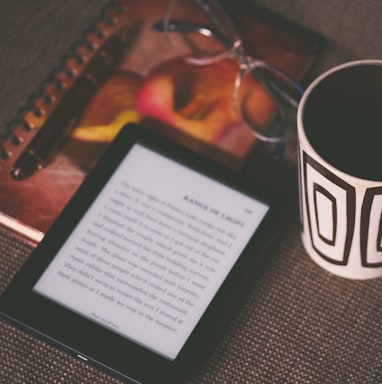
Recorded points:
(298, 323)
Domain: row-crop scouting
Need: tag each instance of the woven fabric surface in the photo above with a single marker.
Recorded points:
(298, 323)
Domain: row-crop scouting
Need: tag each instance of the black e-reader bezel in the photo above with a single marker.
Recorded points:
(101, 346)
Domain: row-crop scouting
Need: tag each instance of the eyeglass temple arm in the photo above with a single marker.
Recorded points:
(219, 31)
(229, 40)
(186, 27)
(276, 91)
(272, 91)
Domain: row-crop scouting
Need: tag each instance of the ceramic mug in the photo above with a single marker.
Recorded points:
(340, 169)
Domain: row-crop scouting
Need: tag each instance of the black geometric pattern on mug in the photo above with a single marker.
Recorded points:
(300, 188)
(328, 241)
(331, 236)
(371, 228)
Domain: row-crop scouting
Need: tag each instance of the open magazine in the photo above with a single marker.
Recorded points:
(152, 84)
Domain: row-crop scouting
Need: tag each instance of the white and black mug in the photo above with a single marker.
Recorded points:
(340, 169)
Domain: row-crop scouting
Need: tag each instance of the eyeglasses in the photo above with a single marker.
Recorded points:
(204, 33)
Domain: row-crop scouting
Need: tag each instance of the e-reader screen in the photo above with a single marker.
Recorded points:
(152, 250)
(145, 262)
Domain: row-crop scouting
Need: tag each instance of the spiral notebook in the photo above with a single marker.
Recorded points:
(147, 69)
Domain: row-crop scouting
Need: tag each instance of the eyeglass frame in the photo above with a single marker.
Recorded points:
(247, 64)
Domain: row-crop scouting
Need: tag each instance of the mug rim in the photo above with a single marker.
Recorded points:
(300, 126)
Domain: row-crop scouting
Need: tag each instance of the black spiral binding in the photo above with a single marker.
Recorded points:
(52, 89)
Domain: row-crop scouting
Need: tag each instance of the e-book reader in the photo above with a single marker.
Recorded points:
(146, 259)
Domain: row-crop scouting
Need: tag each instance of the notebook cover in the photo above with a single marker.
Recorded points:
(142, 88)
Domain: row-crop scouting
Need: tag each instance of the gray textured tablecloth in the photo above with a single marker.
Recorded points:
(299, 324)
